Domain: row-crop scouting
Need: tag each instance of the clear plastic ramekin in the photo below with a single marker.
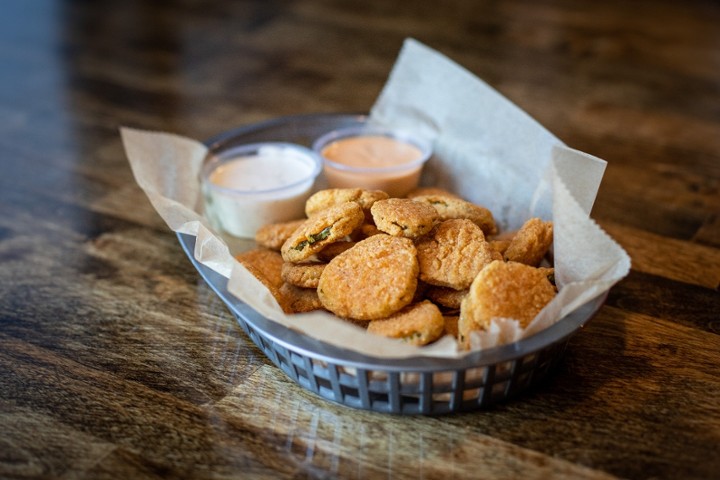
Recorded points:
(373, 168)
(247, 186)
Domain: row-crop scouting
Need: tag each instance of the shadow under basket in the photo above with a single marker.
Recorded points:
(421, 385)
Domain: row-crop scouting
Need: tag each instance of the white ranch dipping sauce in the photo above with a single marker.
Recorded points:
(247, 187)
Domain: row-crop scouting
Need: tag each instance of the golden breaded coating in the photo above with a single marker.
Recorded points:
(326, 227)
(499, 246)
(330, 197)
(451, 325)
(300, 300)
(335, 196)
(374, 279)
(266, 266)
(504, 290)
(267, 263)
(275, 234)
(303, 275)
(446, 297)
(413, 268)
(333, 250)
(402, 217)
(366, 230)
(422, 191)
(453, 253)
(505, 235)
(530, 243)
(451, 208)
(416, 324)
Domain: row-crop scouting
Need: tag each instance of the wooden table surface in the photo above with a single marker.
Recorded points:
(117, 361)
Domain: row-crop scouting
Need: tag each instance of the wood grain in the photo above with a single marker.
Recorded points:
(118, 361)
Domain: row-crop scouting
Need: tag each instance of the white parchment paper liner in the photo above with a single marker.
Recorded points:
(486, 149)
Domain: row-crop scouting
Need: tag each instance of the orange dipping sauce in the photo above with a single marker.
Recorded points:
(374, 161)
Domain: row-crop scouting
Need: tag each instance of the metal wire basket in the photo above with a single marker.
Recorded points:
(422, 385)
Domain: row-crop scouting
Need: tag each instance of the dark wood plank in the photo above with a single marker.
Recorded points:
(666, 299)
(117, 361)
(683, 261)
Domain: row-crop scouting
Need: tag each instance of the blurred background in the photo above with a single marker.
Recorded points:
(588, 73)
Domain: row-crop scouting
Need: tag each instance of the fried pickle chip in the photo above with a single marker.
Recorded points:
(275, 234)
(530, 244)
(267, 263)
(412, 268)
(499, 246)
(328, 226)
(422, 191)
(445, 296)
(333, 250)
(303, 275)
(335, 196)
(416, 324)
(300, 300)
(366, 230)
(374, 279)
(403, 217)
(504, 290)
(451, 208)
(453, 253)
(451, 325)
(266, 266)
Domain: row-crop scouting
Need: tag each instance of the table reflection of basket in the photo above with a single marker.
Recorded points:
(421, 385)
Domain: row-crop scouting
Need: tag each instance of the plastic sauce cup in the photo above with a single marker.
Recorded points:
(248, 186)
(373, 158)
